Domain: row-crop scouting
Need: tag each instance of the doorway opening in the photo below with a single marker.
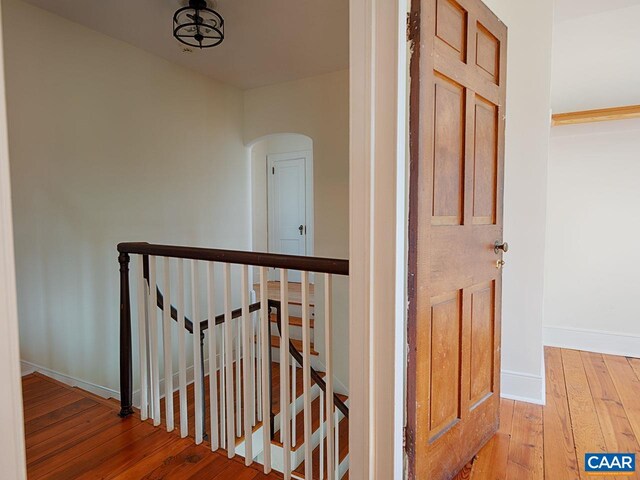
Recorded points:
(282, 195)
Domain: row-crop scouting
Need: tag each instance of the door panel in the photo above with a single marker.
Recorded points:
(456, 174)
(289, 206)
(451, 27)
(485, 165)
(287, 195)
(481, 344)
(448, 167)
(445, 362)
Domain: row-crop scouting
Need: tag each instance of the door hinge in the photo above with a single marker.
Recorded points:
(273, 170)
(413, 25)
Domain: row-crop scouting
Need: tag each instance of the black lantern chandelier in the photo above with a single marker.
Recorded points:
(198, 26)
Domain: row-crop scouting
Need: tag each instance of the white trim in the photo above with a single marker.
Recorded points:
(599, 341)
(523, 387)
(105, 392)
(402, 240)
(309, 208)
(12, 449)
(377, 138)
(28, 368)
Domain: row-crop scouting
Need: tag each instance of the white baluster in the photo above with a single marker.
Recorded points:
(197, 354)
(167, 322)
(255, 366)
(328, 330)
(322, 435)
(247, 377)
(306, 376)
(284, 374)
(182, 355)
(153, 342)
(258, 365)
(213, 358)
(223, 396)
(337, 443)
(228, 339)
(265, 338)
(142, 339)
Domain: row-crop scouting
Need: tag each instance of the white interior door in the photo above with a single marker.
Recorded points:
(288, 205)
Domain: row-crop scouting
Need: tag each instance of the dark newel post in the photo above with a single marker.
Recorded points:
(126, 367)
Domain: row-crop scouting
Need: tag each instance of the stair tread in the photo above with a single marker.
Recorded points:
(275, 342)
(293, 320)
(295, 294)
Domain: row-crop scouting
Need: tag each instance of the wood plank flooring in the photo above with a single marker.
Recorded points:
(71, 434)
(592, 405)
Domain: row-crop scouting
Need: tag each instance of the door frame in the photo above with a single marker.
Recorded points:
(12, 446)
(378, 192)
(272, 158)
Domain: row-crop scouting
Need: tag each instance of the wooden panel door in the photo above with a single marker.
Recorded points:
(456, 182)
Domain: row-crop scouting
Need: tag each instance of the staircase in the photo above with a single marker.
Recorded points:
(271, 405)
(295, 314)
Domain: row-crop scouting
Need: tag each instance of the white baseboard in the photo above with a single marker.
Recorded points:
(522, 387)
(28, 367)
(598, 341)
(176, 383)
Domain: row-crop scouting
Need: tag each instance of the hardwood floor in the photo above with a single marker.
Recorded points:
(593, 405)
(71, 434)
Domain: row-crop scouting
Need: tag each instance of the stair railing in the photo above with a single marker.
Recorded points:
(238, 403)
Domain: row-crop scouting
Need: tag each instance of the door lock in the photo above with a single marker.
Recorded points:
(301, 228)
(500, 264)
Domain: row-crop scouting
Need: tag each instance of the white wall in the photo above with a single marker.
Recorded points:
(108, 144)
(592, 281)
(527, 140)
(595, 61)
(317, 107)
(593, 195)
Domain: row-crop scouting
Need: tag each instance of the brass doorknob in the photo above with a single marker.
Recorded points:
(504, 246)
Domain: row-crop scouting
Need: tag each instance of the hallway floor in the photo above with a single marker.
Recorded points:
(593, 405)
(71, 434)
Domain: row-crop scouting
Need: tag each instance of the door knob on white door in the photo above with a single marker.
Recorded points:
(301, 228)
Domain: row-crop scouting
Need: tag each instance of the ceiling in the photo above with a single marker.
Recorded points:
(568, 9)
(266, 41)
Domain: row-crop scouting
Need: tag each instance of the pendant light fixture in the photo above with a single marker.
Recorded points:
(197, 25)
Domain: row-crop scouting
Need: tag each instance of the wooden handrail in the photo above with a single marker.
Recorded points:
(599, 115)
(310, 264)
(271, 260)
